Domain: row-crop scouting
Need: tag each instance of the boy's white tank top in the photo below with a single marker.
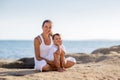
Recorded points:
(44, 49)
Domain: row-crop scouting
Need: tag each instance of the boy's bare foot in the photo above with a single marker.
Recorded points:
(64, 69)
(60, 70)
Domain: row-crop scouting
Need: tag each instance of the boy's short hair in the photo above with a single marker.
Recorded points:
(56, 34)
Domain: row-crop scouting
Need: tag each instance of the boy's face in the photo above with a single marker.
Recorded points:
(57, 40)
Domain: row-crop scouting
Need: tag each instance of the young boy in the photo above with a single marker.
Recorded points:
(57, 53)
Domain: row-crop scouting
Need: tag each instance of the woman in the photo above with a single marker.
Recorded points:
(42, 45)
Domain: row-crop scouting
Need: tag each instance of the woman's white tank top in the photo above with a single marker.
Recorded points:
(44, 49)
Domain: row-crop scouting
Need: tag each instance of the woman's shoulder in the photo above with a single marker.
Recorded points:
(37, 39)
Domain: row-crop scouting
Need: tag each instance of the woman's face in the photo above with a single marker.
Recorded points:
(47, 28)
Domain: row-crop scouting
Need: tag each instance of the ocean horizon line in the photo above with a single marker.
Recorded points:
(63, 40)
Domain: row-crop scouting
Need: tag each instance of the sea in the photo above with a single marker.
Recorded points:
(16, 49)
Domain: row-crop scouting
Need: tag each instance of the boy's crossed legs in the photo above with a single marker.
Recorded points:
(59, 61)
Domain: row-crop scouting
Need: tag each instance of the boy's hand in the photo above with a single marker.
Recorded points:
(58, 44)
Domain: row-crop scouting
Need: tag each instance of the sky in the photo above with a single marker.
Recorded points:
(73, 19)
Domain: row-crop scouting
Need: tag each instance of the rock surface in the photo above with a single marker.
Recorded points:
(107, 50)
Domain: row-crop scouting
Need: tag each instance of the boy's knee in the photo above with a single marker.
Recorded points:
(62, 54)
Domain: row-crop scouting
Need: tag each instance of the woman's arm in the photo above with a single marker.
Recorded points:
(37, 48)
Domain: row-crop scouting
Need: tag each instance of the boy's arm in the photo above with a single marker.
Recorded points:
(63, 49)
(58, 51)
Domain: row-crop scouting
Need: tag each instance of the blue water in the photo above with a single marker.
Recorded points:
(15, 49)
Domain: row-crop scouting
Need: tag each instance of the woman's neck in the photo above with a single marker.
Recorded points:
(46, 39)
(45, 36)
